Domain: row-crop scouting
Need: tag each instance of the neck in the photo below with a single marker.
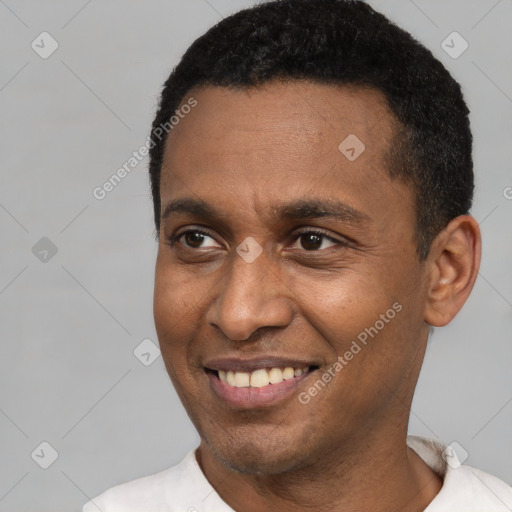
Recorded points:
(380, 474)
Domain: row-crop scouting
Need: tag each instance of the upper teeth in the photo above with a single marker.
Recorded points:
(260, 378)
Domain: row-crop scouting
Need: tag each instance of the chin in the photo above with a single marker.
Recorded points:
(259, 455)
(257, 462)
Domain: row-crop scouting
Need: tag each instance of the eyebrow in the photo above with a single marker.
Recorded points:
(299, 209)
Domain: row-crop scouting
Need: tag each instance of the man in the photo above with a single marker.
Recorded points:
(312, 178)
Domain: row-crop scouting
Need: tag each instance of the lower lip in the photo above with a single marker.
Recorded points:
(249, 398)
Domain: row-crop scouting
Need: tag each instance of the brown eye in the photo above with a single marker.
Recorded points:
(193, 238)
(312, 240)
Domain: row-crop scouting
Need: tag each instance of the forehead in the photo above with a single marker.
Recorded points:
(292, 139)
(306, 109)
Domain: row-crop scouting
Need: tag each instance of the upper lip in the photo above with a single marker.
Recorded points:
(238, 364)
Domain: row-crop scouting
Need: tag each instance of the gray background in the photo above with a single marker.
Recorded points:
(68, 374)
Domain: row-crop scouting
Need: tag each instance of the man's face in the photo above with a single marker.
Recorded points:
(256, 291)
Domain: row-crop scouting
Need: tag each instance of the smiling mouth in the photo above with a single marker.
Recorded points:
(265, 381)
(261, 377)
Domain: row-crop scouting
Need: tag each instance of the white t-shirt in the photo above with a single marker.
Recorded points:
(184, 488)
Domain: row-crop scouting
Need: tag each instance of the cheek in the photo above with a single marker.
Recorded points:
(175, 295)
(343, 306)
(175, 317)
(372, 321)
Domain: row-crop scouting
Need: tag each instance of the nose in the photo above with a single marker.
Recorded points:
(251, 295)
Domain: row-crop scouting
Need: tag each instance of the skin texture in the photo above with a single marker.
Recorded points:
(302, 298)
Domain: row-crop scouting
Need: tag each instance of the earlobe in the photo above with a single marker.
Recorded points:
(453, 265)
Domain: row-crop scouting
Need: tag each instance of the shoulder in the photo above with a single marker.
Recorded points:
(168, 490)
(465, 488)
(472, 489)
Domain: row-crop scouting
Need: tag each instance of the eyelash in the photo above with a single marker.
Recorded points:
(317, 232)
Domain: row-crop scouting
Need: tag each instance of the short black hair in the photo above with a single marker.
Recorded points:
(342, 42)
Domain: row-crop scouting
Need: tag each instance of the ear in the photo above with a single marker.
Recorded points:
(452, 264)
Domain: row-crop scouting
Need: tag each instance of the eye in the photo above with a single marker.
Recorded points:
(313, 240)
(192, 237)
